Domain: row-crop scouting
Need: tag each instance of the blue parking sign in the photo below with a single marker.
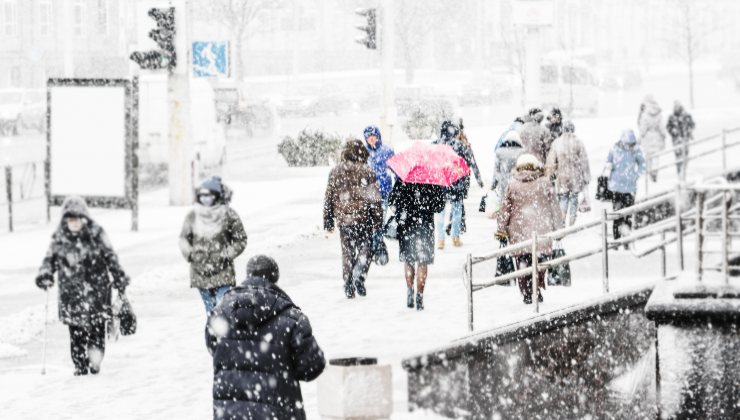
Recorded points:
(210, 59)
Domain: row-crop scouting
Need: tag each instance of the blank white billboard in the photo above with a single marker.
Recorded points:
(88, 140)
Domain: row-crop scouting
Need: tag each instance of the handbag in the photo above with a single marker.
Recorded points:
(602, 189)
(390, 228)
(379, 249)
(584, 206)
(482, 205)
(558, 275)
(504, 263)
(126, 316)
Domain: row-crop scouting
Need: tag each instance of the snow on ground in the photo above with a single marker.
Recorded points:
(164, 371)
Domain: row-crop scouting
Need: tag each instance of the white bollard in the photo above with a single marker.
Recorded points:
(356, 389)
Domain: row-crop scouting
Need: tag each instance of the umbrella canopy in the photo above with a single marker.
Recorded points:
(435, 164)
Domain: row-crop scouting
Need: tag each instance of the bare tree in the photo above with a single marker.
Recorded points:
(238, 17)
(514, 46)
(691, 28)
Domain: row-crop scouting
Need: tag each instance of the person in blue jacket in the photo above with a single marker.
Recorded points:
(378, 160)
(625, 164)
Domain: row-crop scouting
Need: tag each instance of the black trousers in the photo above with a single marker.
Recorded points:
(356, 252)
(525, 282)
(83, 340)
(620, 201)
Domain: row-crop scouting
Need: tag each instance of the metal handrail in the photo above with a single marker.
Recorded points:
(681, 146)
(672, 224)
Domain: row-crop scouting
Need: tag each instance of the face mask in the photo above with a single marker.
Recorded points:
(206, 199)
(74, 224)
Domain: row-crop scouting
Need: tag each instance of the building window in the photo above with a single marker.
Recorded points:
(103, 17)
(10, 18)
(78, 18)
(45, 17)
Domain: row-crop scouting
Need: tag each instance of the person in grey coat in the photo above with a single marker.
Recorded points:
(262, 345)
(87, 269)
(568, 164)
(212, 237)
(506, 155)
(535, 138)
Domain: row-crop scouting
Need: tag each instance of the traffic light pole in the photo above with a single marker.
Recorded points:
(388, 118)
(178, 96)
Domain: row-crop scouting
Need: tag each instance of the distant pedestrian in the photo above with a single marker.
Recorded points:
(568, 164)
(379, 154)
(353, 202)
(681, 128)
(515, 126)
(262, 346)
(625, 164)
(535, 138)
(87, 270)
(554, 124)
(212, 237)
(449, 133)
(414, 206)
(529, 207)
(652, 136)
(476, 172)
(506, 155)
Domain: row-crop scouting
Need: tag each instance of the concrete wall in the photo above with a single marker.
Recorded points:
(591, 361)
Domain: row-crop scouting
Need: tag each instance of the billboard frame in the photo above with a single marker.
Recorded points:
(130, 199)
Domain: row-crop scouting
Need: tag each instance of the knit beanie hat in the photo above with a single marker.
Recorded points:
(263, 266)
(528, 162)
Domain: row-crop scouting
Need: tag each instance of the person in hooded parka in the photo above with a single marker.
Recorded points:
(379, 154)
(262, 345)
(211, 239)
(353, 202)
(681, 128)
(652, 136)
(506, 155)
(554, 124)
(87, 269)
(568, 164)
(625, 164)
(535, 138)
(529, 207)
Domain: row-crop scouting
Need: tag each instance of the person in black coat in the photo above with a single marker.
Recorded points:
(87, 268)
(415, 206)
(262, 346)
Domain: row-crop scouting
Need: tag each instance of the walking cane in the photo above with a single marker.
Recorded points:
(46, 316)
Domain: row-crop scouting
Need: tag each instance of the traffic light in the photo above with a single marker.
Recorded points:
(368, 39)
(164, 36)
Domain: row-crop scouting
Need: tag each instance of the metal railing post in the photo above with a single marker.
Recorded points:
(663, 269)
(699, 233)
(724, 149)
(684, 169)
(9, 194)
(535, 268)
(679, 228)
(604, 251)
(469, 275)
(725, 240)
(647, 174)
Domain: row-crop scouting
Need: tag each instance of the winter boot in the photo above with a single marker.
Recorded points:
(540, 299)
(80, 371)
(528, 299)
(410, 297)
(441, 244)
(419, 302)
(360, 286)
(456, 241)
(349, 290)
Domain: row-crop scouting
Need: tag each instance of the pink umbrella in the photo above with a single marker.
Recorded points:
(435, 164)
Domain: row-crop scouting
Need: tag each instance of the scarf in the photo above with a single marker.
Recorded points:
(209, 221)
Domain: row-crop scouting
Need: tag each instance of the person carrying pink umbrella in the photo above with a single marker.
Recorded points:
(425, 171)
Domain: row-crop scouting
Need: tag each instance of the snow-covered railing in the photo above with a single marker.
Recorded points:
(677, 224)
(688, 156)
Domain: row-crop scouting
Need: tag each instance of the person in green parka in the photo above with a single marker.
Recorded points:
(211, 239)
